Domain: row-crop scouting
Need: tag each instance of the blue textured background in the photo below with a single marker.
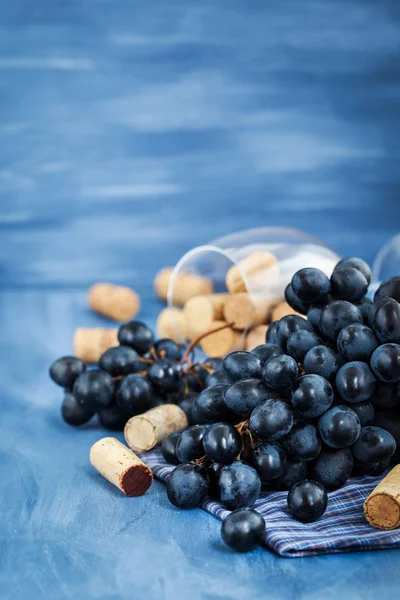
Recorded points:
(131, 131)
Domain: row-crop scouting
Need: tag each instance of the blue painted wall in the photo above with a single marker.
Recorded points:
(130, 132)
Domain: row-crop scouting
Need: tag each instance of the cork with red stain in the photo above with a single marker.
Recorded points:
(120, 466)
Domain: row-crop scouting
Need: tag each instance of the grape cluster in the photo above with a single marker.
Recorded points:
(137, 375)
(318, 402)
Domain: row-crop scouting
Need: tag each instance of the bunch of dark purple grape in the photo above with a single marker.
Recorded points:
(137, 375)
(318, 402)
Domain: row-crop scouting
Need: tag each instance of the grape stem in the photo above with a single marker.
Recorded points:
(206, 366)
(242, 425)
(194, 342)
(146, 361)
(118, 377)
(153, 353)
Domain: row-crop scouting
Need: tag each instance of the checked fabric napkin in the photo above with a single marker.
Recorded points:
(342, 528)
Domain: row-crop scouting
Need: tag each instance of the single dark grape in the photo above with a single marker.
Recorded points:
(243, 396)
(241, 365)
(294, 301)
(265, 351)
(365, 306)
(349, 284)
(300, 342)
(269, 460)
(210, 404)
(239, 485)
(302, 442)
(200, 372)
(195, 417)
(66, 370)
(373, 308)
(311, 285)
(385, 396)
(332, 468)
(356, 342)
(355, 382)
(190, 443)
(293, 472)
(187, 486)
(307, 501)
(314, 314)
(133, 395)
(322, 361)
(222, 443)
(243, 529)
(165, 374)
(166, 348)
(390, 420)
(93, 390)
(113, 418)
(280, 372)
(74, 413)
(386, 322)
(120, 360)
(288, 325)
(336, 316)
(186, 404)
(388, 289)
(311, 396)
(137, 335)
(168, 447)
(374, 444)
(365, 412)
(271, 420)
(339, 427)
(356, 263)
(192, 382)
(271, 337)
(194, 378)
(385, 363)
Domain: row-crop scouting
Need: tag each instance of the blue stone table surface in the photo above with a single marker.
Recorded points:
(131, 131)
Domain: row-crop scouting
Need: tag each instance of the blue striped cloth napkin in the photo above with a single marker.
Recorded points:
(342, 528)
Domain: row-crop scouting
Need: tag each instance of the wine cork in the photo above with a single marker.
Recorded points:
(382, 507)
(201, 311)
(247, 311)
(120, 466)
(283, 310)
(114, 301)
(145, 431)
(257, 268)
(171, 323)
(91, 343)
(220, 343)
(187, 285)
(256, 337)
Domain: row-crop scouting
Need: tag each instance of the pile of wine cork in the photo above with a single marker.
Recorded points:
(115, 302)
(198, 310)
